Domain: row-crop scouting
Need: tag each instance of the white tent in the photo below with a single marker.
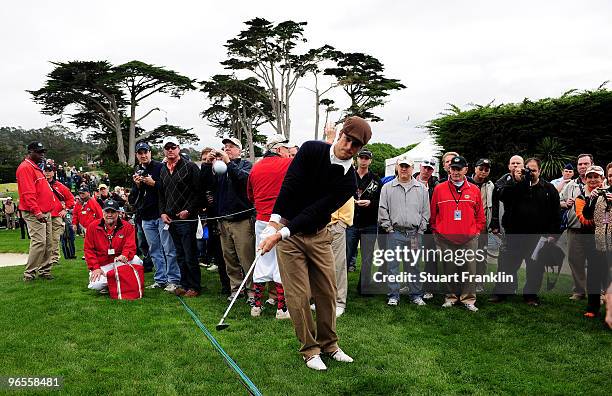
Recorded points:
(426, 149)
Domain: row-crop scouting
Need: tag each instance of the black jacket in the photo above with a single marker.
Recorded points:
(530, 209)
(368, 187)
(229, 189)
(146, 199)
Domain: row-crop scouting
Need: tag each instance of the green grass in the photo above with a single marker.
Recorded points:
(152, 346)
(9, 189)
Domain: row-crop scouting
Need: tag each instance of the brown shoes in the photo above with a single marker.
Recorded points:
(179, 291)
(191, 293)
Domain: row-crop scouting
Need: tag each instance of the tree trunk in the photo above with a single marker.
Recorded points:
(132, 137)
(120, 147)
(249, 137)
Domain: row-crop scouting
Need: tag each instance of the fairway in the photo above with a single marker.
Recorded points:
(152, 346)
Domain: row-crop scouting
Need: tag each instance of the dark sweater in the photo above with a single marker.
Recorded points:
(229, 189)
(180, 190)
(313, 189)
(145, 199)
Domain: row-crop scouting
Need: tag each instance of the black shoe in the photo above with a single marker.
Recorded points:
(497, 298)
(532, 301)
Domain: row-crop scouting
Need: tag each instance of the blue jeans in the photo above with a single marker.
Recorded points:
(368, 237)
(401, 239)
(162, 251)
(185, 242)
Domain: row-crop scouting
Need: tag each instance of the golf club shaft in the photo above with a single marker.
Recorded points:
(244, 281)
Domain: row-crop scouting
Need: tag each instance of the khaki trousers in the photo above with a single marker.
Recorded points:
(338, 233)
(306, 265)
(576, 256)
(467, 290)
(57, 229)
(238, 245)
(40, 245)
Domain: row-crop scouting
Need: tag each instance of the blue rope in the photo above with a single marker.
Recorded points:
(246, 381)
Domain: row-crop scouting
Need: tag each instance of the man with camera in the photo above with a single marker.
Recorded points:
(532, 212)
(145, 199)
(237, 225)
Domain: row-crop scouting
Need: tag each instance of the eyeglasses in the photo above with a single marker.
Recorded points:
(430, 163)
(170, 147)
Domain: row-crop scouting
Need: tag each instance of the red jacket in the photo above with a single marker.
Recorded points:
(97, 244)
(63, 198)
(86, 214)
(445, 201)
(35, 194)
(264, 184)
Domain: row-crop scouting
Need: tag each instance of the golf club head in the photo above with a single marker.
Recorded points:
(222, 326)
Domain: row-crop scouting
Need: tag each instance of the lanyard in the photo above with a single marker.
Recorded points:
(453, 194)
(111, 236)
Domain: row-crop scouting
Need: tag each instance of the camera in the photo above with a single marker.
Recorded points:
(602, 192)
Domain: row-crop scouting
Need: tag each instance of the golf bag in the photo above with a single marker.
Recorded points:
(125, 281)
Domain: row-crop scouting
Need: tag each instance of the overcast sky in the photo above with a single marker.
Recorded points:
(457, 52)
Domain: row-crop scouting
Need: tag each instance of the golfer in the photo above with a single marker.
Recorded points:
(319, 180)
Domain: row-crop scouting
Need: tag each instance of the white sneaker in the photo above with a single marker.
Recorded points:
(156, 286)
(448, 304)
(271, 301)
(339, 311)
(313, 308)
(393, 301)
(428, 296)
(212, 267)
(171, 287)
(418, 301)
(256, 311)
(316, 363)
(340, 356)
(280, 314)
(471, 307)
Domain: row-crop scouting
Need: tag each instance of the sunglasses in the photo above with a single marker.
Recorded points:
(429, 163)
(170, 147)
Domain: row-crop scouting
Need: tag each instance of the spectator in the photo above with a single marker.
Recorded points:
(365, 223)
(9, 209)
(482, 170)
(457, 218)
(179, 208)
(108, 240)
(446, 161)
(237, 224)
(515, 162)
(319, 180)
(64, 201)
(566, 177)
(576, 251)
(340, 220)
(145, 199)
(263, 186)
(404, 213)
(102, 194)
(86, 211)
(593, 211)
(67, 237)
(36, 200)
(532, 212)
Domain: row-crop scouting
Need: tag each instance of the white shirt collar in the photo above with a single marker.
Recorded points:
(346, 164)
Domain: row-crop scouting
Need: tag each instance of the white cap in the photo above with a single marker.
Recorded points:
(404, 159)
(170, 139)
(277, 140)
(233, 141)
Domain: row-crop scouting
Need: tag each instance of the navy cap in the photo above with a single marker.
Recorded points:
(36, 146)
(111, 204)
(569, 167)
(458, 162)
(143, 146)
(84, 189)
(483, 162)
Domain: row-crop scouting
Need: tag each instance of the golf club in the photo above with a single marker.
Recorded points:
(222, 325)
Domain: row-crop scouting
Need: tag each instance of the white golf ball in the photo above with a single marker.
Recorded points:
(219, 167)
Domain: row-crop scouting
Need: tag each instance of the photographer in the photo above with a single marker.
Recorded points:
(594, 211)
(532, 212)
(144, 197)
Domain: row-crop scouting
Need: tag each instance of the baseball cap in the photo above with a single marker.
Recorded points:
(170, 140)
(404, 159)
(595, 169)
(458, 162)
(111, 204)
(430, 163)
(143, 146)
(364, 153)
(49, 167)
(233, 141)
(101, 186)
(275, 141)
(569, 166)
(84, 189)
(36, 146)
(358, 129)
(483, 162)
